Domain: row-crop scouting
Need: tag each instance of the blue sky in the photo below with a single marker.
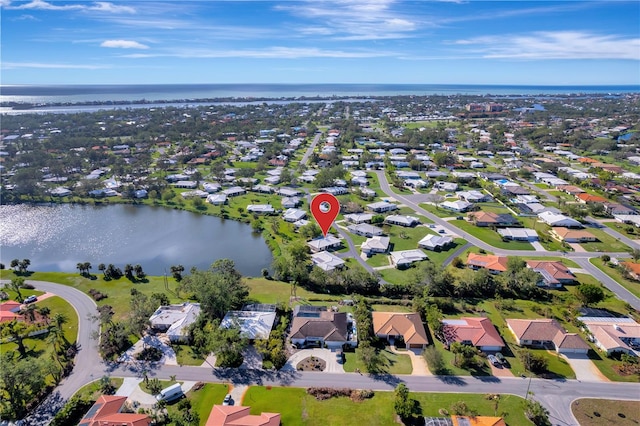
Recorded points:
(346, 41)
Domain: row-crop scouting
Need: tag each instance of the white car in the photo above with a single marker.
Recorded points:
(227, 400)
(31, 299)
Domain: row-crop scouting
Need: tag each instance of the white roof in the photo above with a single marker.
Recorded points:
(408, 220)
(553, 219)
(326, 261)
(294, 215)
(456, 205)
(433, 241)
(358, 217)
(260, 208)
(323, 242)
(253, 324)
(377, 242)
(518, 232)
(406, 257)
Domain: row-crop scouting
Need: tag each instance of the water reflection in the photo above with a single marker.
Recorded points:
(57, 237)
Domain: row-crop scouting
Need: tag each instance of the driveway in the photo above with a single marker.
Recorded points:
(160, 342)
(536, 245)
(325, 354)
(252, 359)
(585, 369)
(418, 363)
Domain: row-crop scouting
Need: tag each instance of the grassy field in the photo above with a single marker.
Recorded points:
(613, 272)
(605, 242)
(597, 412)
(377, 411)
(395, 363)
(37, 345)
(490, 236)
(203, 399)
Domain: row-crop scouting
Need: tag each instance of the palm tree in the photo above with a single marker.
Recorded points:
(139, 272)
(128, 270)
(80, 267)
(14, 264)
(18, 331)
(102, 268)
(87, 266)
(24, 265)
(44, 312)
(29, 313)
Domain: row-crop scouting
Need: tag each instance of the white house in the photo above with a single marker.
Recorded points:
(435, 242)
(294, 215)
(261, 208)
(558, 220)
(382, 207)
(404, 258)
(364, 229)
(324, 243)
(360, 217)
(217, 199)
(518, 234)
(326, 261)
(175, 320)
(377, 244)
(456, 206)
(402, 220)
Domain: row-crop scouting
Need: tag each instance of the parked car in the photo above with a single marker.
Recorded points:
(432, 226)
(30, 299)
(501, 358)
(441, 231)
(339, 357)
(170, 393)
(493, 360)
(227, 400)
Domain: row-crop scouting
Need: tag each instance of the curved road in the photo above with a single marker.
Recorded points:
(556, 395)
(581, 258)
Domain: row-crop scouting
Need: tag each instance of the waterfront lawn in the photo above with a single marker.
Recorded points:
(614, 272)
(490, 236)
(377, 411)
(263, 290)
(596, 412)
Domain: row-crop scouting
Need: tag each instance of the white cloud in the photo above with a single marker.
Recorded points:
(123, 44)
(268, 53)
(41, 65)
(353, 19)
(100, 6)
(555, 45)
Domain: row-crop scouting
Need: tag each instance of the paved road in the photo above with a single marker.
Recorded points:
(307, 154)
(612, 232)
(555, 395)
(540, 191)
(579, 257)
(88, 363)
(456, 253)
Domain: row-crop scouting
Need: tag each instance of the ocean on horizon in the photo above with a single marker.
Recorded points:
(43, 94)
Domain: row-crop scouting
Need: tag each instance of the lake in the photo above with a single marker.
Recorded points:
(57, 237)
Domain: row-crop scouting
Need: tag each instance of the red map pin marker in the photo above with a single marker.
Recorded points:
(325, 208)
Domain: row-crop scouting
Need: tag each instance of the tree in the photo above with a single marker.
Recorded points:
(139, 312)
(20, 382)
(18, 331)
(24, 265)
(139, 272)
(218, 289)
(532, 361)
(15, 285)
(373, 361)
(635, 254)
(535, 412)
(128, 271)
(227, 344)
(405, 406)
(14, 264)
(176, 271)
(102, 268)
(589, 294)
(435, 360)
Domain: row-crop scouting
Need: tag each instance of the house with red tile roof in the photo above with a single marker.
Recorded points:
(613, 334)
(479, 332)
(585, 198)
(572, 235)
(554, 273)
(495, 264)
(570, 189)
(393, 325)
(107, 411)
(546, 332)
(484, 219)
(9, 311)
(230, 415)
(633, 269)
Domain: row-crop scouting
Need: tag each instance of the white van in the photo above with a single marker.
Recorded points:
(171, 393)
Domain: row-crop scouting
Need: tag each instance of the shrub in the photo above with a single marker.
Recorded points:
(149, 354)
(322, 394)
(97, 295)
(72, 412)
(361, 394)
(27, 286)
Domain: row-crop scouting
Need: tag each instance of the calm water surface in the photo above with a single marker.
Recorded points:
(57, 237)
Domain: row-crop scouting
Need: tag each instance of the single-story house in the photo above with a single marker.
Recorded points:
(211, 187)
(382, 207)
(187, 184)
(394, 325)
(255, 321)
(359, 217)
(619, 209)
(236, 415)
(365, 230)
(479, 332)
(473, 196)
(288, 192)
(572, 235)
(234, 191)
(396, 219)
(324, 243)
(633, 269)
(375, 244)
(558, 219)
(585, 198)
(456, 206)
(60, 192)
(554, 273)
(614, 334)
(326, 261)
(263, 189)
(174, 320)
(495, 264)
(290, 202)
(217, 199)
(405, 258)
(446, 186)
(546, 332)
(261, 208)
(9, 311)
(485, 219)
(435, 242)
(107, 410)
(314, 324)
(518, 234)
(294, 215)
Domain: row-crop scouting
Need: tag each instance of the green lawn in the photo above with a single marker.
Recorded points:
(37, 345)
(490, 236)
(439, 211)
(396, 363)
(605, 242)
(613, 272)
(380, 259)
(397, 276)
(203, 399)
(185, 355)
(377, 411)
(606, 366)
(269, 291)
(91, 391)
(405, 238)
